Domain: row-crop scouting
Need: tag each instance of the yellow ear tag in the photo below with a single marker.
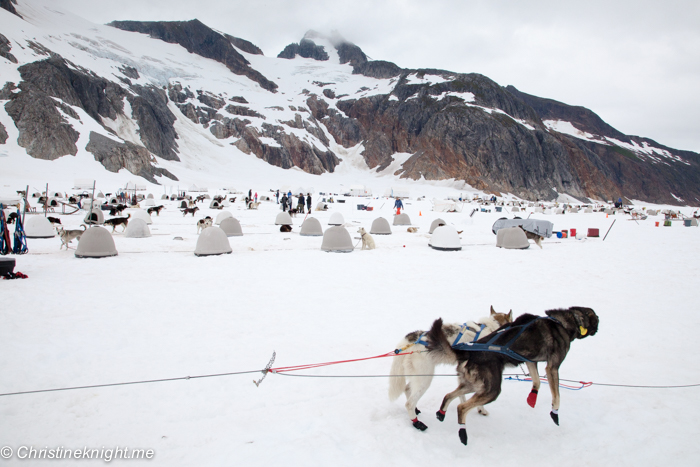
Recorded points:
(584, 331)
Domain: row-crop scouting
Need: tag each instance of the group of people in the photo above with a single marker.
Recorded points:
(288, 201)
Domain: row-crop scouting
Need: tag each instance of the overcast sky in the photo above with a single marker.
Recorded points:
(634, 63)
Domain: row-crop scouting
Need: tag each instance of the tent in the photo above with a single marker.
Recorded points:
(222, 215)
(402, 219)
(100, 195)
(283, 218)
(445, 238)
(444, 205)
(337, 239)
(360, 190)
(512, 238)
(336, 219)
(96, 242)
(96, 217)
(435, 224)
(212, 241)
(141, 214)
(137, 228)
(231, 227)
(311, 227)
(380, 226)
(39, 227)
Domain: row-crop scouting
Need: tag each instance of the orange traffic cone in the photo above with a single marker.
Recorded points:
(420, 213)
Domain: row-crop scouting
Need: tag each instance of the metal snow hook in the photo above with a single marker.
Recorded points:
(266, 370)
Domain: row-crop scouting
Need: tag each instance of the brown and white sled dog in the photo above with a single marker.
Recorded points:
(68, 236)
(422, 362)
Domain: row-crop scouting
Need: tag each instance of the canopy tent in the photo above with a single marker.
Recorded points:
(311, 227)
(137, 228)
(212, 241)
(283, 218)
(435, 224)
(231, 227)
(337, 239)
(96, 242)
(536, 226)
(39, 227)
(222, 215)
(445, 238)
(380, 226)
(512, 238)
(336, 219)
(402, 219)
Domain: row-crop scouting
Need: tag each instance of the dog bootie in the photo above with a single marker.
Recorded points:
(463, 435)
(555, 416)
(419, 425)
(440, 415)
(532, 398)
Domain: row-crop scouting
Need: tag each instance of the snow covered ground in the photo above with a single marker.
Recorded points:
(157, 311)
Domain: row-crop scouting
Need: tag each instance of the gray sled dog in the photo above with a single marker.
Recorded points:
(536, 338)
(422, 361)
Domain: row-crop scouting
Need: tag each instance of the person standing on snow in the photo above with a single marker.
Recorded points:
(278, 197)
(308, 202)
(398, 205)
(284, 203)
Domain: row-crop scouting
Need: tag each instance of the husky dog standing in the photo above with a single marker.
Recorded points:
(421, 362)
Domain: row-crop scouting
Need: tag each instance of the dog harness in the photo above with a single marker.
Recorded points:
(464, 327)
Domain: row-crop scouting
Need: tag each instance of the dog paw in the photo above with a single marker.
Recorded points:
(483, 411)
(440, 415)
(463, 435)
(555, 417)
(417, 411)
(532, 398)
(420, 425)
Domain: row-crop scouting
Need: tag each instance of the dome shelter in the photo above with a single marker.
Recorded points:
(222, 215)
(336, 219)
(215, 205)
(337, 239)
(380, 226)
(283, 218)
(435, 224)
(402, 219)
(231, 227)
(445, 238)
(164, 197)
(512, 238)
(150, 196)
(141, 214)
(148, 202)
(212, 241)
(100, 195)
(113, 200)
(311, 227)
(183, 204)
(96, 217)
(137, 228)
(39, 227)
(96, 242)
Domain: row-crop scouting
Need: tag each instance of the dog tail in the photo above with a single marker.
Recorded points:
(397, 381)
(438, 343)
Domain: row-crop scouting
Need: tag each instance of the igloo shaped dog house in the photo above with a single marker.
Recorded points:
(95, 217)
(512, 238)
(141, 214)
(231, 227)
(445, 238)
(435, 224)
(39, 227)
(336, 219)
(212, 241)
(380, 226)
(311, 228)
(137, 228)
(96, 242)
(283, 218)
(221, 216)
(337, 239)
(402, 219)
(148, 202)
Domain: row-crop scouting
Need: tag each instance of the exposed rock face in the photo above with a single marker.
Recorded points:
(115, 156)
(8, 5)
(199, 39)
(150, 109)
(244, 45)
(5, 48)
(306, 48)
(3, 134)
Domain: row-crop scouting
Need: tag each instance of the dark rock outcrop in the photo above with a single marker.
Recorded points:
(5, 48)
(149, 107)
(3, 134)
(115, 156)
(8, 5)
(199, 39)
(244, 45)
(306, 48)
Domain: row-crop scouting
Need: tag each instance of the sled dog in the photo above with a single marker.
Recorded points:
(68, 235)
(367, 240)
(203, 224)
(115, 221)
(423, 363)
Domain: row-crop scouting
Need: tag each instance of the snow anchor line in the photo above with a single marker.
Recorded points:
(583, 384)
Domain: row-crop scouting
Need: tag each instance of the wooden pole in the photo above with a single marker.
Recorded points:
(606, 233)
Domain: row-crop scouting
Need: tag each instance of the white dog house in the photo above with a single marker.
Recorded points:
(39, 227)
(336, 219)
(150, 196)
(283, 218)
(141, 214)
(163, 197)
(445, 238)
(212, 241)
(380, 226)
(512, 238)
(337, 239)
(311, 228)
(96, 242)
(215, 205)
(222, 215)
(95, 217)
(231, 227)
(435, 224)
(402, 219)
(137, 228)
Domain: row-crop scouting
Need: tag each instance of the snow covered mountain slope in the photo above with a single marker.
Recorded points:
(178, 102)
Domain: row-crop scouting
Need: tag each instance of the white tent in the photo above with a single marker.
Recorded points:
(337, 239)
(336, 219)
(83, 184)
(446, 205)
(311, 227)
(231, 227)
(222, 215)
(396, 192)
(445, 238)
(402, 219)
(283, 218)
(39, 227)
(512, 238)
(212, 241)
(380, 226)
(141, 214)
(96, 242)
(360, 190)
(137, 228)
